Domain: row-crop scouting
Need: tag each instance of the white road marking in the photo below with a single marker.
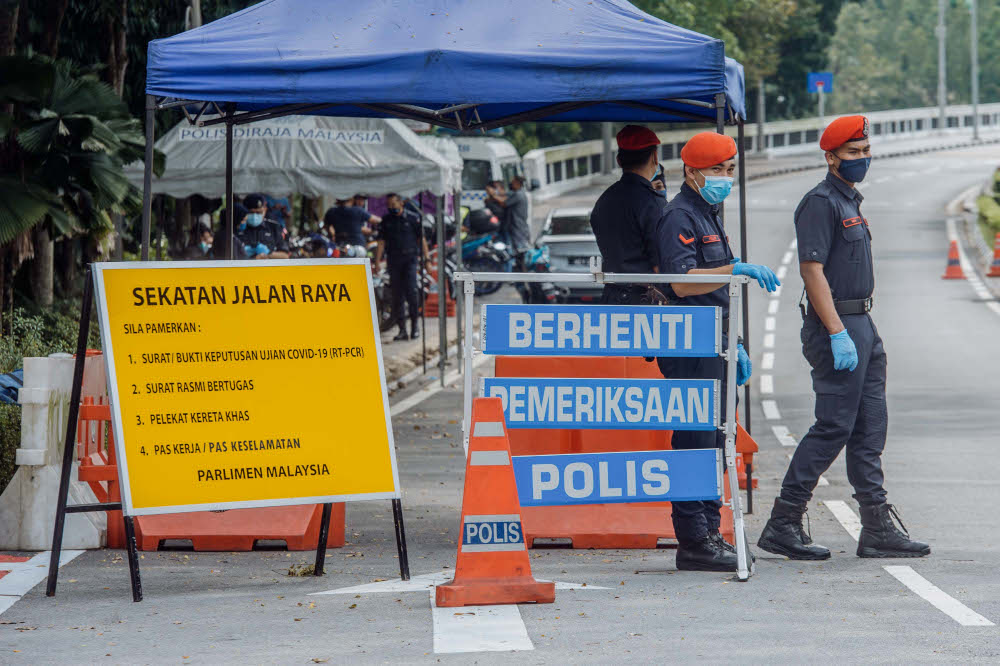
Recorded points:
(787, 259)
(772, 306)
(770, 324)
(846, 516)
(971, 276)
(767, 361)
(783, 436)
(777, 292)
(766, 384)
(937, 597)
(25, 575)
(781, 272)
(770, 408)
(794, 244)
(478, 629)
(769, 341)
(467, 628)
(431, 389)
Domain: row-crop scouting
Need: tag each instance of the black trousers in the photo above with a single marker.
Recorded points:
(403, 282)
(850, 411)
(694, 520)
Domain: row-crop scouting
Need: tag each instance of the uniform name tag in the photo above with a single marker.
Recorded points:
(711, 239)
(854, 221)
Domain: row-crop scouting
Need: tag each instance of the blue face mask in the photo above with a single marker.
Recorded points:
(716, 188)
(255, 219)
(205, 247)
(854, 171)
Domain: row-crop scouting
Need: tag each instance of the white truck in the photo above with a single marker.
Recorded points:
(485, 158)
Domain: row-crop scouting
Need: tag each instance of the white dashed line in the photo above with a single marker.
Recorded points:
(777, 292)
(787, 259)
(766, 384)
(783, 436)
(770, 324)
(770, 408)
(845, 516)
(769, 341)
(782, 272)
(767, 361)
(937, 597)
(794, 244)
(772, 306)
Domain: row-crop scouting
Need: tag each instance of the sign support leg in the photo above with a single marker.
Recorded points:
(324, 532)
(743, 566)
(397, 518)
(70, 445)
(133, 558)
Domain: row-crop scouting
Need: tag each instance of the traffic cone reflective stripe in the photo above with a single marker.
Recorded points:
(492, 565)
(954, 269)
(995, 266)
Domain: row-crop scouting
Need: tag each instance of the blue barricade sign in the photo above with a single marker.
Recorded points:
(615, 404)
(601, 330)
(482, 534)
(612, 478)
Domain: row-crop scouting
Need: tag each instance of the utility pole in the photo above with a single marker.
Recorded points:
(760, 116)
(192, 19)
(942, 86)
(974, 48)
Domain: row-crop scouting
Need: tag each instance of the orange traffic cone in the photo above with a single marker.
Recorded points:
(954, 269)
(493, 566)
(995, 266)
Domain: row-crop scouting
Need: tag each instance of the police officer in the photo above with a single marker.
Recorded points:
(401, 239)
(349, 221)
(840, 342)
(691, 239)
(260, 237)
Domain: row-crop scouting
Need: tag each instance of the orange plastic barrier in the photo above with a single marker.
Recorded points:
(995, 266)
(238, 529)
(492, 566)
(638, 525)
(431, 299)
(953, 271)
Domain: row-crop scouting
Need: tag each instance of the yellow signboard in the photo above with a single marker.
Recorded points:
(245, 383)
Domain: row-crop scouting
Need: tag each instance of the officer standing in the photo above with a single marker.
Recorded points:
(840, 342)
(401, 239)
(260, 237)
(691, 239)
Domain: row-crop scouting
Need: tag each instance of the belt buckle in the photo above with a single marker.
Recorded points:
(868, 304)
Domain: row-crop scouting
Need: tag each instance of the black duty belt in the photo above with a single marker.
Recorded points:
(852, 307)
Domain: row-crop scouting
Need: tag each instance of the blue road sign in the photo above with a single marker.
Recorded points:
(601, 330)
(817, 80)
(603, 404)
(614, 478)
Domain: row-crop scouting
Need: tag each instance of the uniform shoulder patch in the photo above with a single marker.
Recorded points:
(686, 241)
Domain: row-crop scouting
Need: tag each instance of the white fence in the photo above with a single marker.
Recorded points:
(563, 168)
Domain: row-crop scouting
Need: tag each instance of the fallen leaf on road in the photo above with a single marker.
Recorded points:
(353, 606)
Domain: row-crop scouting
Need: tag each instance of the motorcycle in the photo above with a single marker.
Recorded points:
(539, 293)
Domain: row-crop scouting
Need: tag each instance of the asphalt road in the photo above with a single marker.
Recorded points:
(944, 383)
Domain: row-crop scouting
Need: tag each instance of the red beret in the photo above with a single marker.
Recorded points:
(842, 130)
(707, 149)
(637, 137)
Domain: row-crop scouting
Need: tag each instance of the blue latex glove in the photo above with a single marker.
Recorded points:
(744, 368)
(262, 249)
(765, 276)
(250, 251)
(845, 354)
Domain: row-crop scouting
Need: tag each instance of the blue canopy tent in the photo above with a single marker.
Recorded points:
(466, 65)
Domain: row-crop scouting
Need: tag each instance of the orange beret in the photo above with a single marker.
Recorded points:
(637, 137)
(842, 130)
(707, 149)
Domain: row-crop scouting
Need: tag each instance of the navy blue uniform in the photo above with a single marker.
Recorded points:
(270, 233)
(347, 223)
(850, 406)
(691, 235)
(402, 235)
(624, 221)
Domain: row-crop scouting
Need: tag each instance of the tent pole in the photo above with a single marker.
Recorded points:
(743, 253)
(460, 302)
(228, 248)
(147, 175)
(442, 294)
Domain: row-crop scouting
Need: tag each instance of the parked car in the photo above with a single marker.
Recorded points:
(571, 244)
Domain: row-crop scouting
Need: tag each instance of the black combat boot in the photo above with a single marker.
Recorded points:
(402, 333)
(704, 555)
(414, 329)
(725, 545)
(881, 538)
(783, 534)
